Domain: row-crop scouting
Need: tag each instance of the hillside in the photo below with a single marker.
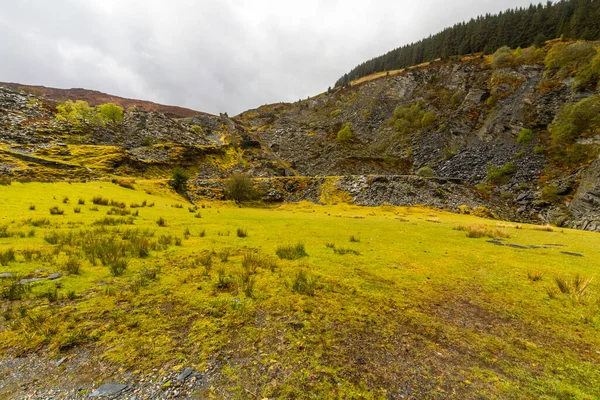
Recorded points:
(519, 27)
(94, 98)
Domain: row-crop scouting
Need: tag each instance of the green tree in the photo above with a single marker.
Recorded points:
(239, 187)
(179, 180)
(111, 112)
(345, 134)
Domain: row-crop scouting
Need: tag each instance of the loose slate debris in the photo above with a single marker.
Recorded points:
(62, 360)
(108, 389)
(184, 374)
(572, 254)
(5, 275)
(51, 277)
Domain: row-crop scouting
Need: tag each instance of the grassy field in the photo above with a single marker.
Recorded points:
(338, 301)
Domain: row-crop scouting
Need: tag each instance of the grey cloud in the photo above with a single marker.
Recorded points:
(211, 55)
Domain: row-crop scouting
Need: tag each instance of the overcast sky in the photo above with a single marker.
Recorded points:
(212, 55)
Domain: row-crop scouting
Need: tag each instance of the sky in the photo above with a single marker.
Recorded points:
(212, 55)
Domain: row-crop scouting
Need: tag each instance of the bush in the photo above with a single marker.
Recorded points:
(239, 187)
(588, 75)
(304, 283)
(289, 252)
(414, 117)
(499, 175)
(345, 134)
(550, 194)
(426, 172)
(568, 56)
(581, 120)
(179, 180)
(525, 136)
(502, 57)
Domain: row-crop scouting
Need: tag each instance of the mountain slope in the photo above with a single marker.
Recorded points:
(94, 98)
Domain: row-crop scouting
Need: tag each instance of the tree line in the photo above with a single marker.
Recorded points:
(573, 19)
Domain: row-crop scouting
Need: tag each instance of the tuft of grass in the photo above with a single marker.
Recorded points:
(291, 252)
(342, 251)
(202, 233)
(224, 281)
(72, 266)
(118, 267)
(206, 261)
(11, 289)
(304, 283)
(161, 221)
(198, 215)
(478, 231)
(330, 245)
(354, 239)
(242, 232)
(7, 256)
(100, 201)
(112, 221)
(32, 207)
(543, 228)
(125, 183)
(77, 210)
(56, 211)
(576, 288)
(535, 276)
(81, 202)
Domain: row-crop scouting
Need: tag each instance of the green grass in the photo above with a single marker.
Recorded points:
(414, 301)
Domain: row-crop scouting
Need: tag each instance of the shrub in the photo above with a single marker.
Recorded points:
(525, 136)
(499, 175)
(179, 180)
(426, 172)
(5, 181)
(56, 211)
(239, 187)
(304, 283)
(581, 120)
(549, 194)
(345, 134)
(289, 252)
(242, 233)
(588, 75)
(502, 57)
(411, 118)
(7, 256)
(568, 56)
